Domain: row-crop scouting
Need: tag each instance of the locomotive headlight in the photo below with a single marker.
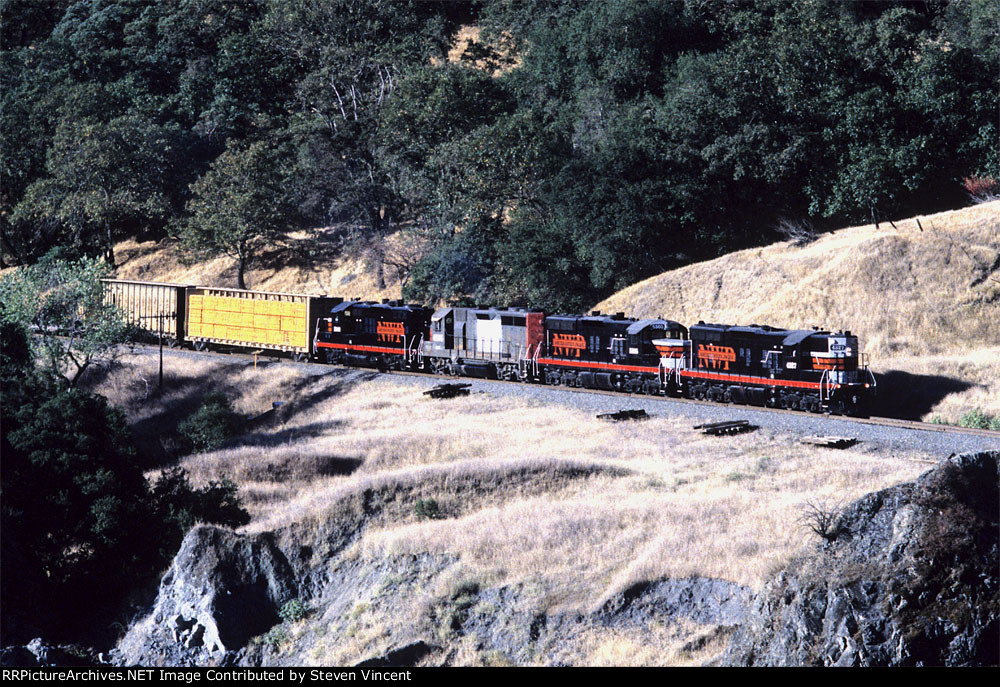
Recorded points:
(848, 351)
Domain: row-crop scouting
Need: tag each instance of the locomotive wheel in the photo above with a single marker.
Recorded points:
(201, 346)
(699, 392)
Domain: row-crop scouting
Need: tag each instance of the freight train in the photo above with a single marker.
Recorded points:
(803, 369)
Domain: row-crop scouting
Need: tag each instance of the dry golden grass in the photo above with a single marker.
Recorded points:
(551, 494)
(924, 296)
(305, 264)
(682, 643)
(544, 498)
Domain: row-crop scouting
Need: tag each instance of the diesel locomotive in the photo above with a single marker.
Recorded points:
(809, 369)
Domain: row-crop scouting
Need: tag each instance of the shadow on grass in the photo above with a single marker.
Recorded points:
(273, 439)
(909, 397)
(305, 467)
(157, 441)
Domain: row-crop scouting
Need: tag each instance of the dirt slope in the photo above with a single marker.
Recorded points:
(923, 295)
(304, 264)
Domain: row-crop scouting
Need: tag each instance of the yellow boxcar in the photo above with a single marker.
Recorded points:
(254, 319)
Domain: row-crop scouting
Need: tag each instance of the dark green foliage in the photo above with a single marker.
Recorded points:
(62, 302)
(455, 269)
(427, 509)
(81, 525)
(293, 611)
(77, 475)
(239, 207)
(179, 507)
(622, 139)
(977, 419)
(212, 424)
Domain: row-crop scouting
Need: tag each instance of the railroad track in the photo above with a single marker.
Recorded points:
(912, 425)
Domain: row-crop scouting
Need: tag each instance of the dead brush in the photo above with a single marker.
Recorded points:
(800, 232)
(823, 520)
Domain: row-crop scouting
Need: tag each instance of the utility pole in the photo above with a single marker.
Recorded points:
(160, 328)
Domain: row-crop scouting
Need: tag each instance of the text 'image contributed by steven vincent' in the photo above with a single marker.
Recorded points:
(206, 675)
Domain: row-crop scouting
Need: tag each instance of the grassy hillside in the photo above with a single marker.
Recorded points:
(567, 508)
(923, 295)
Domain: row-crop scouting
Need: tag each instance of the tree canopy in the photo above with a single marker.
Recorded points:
(62, 304)
(613, 139)
(238, 207)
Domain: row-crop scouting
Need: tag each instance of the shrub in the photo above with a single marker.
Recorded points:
(982, 189)
(976, 419)
(428, 510)
(293, 611)
(211, 425)
(179, 507)
(800, 233)
(275, 637)
(823, 520)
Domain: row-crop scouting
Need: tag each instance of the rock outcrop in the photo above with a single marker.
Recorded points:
(904, 576)
(40, 654)
(221, 589)
(908, 577)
